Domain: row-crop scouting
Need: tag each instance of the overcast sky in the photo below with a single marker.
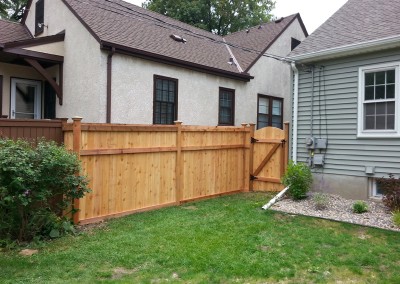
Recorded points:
(313, 12)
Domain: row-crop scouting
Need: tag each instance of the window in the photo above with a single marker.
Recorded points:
(294, 43)
(376, 190)
(39, 17)
(226, 114)
(270, 112)
(378, 101)
(165, 100)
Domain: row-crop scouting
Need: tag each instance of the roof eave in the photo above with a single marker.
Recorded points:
(37, 41)
(175, 62)
(346, 50)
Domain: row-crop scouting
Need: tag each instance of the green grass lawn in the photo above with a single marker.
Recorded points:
(223, 240)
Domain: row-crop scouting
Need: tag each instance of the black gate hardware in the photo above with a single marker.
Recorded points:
(253, 177)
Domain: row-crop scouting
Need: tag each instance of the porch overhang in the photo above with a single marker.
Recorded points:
(21, 53)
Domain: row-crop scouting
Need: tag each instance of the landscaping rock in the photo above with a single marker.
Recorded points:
(340, 209)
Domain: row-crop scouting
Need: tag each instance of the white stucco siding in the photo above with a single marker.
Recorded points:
(56, 48)
(198, 93)
(273, 77)
(85, 67)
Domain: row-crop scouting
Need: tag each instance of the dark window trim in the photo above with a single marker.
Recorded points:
(270, 98)
(232, 122)
(1, 96)
(155, 77)
(39, 30)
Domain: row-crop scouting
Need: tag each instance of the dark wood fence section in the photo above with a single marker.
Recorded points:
(32, 129)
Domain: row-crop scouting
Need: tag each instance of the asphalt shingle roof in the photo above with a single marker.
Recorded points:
(355, 22)
(257, 39)
(127, 25)
(10, 31)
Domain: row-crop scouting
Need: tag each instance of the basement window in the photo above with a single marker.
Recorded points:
(39, 17)
(378, 101)
(376, 191)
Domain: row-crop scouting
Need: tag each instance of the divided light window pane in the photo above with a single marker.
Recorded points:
(379, 97)
(164, 101)
(270, 112)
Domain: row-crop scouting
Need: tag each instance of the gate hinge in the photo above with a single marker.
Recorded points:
(283, 141)
(253, 177)
(253, 140)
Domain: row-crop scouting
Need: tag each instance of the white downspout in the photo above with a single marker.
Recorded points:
(295, 110)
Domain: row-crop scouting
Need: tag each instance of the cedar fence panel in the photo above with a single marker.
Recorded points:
(135, 168)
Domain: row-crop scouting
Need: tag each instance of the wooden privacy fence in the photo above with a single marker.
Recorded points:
(134, 168)
(32, 130)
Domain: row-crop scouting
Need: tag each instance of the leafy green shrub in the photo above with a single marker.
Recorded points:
(320, 201)
(299, 179)
(360, 207)
(391, 192)
(37, 184)
(396, 218)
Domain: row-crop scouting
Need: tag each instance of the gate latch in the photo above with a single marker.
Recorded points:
(253, 140)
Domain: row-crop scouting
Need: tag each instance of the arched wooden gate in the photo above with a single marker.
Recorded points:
(270, 157)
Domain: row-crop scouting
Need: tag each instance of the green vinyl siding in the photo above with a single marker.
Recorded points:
(335, 110)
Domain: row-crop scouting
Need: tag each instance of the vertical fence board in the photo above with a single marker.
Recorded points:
(135, 168)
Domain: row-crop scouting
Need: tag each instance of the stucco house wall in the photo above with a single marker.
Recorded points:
(273, 77)
(85, 77)
(85, 66)
(198, 93)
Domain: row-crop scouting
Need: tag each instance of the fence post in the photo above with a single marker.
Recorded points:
(251, 155)
(76, 131)
(246, 158)
(178, 162)
(286, 158)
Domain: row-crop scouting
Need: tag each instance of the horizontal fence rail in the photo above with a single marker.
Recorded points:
(133, 168)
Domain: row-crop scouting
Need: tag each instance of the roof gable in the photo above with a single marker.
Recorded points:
(257, 40)
(356, 22)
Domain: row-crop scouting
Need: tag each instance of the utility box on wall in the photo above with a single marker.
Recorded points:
(314, 143)
(319, 160)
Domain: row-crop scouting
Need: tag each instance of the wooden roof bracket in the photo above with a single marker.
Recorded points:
(57, 88)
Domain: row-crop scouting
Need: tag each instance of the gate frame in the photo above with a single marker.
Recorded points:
(284, 156)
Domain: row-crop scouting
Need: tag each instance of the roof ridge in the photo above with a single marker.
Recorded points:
(264, 23)
(157, 15)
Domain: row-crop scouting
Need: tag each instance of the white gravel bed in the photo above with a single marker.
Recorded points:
(340, 209)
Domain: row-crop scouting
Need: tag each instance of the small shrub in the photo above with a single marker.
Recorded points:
(320, 201)
(396, 218)
(360, 207)
(391, 192)
(299, 179)
(37, 184)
